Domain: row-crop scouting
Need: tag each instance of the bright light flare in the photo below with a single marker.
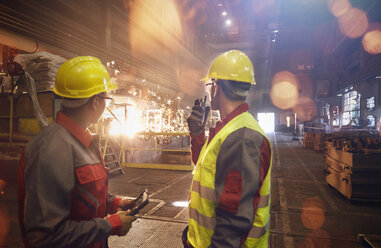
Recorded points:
(353, 23)
(372, 39)
(180, 204)
(339, 7)
(228, 22)
(224, 13)
(284, 90)
(132, 125)
(266, 122)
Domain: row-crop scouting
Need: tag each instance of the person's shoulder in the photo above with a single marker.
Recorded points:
(54, 132)
(245, 135)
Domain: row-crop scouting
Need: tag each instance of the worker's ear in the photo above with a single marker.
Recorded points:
(93, 103)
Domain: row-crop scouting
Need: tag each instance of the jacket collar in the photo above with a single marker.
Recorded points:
(239, 110)
(76, 130)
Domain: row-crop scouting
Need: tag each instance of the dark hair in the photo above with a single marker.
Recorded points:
(234, 90)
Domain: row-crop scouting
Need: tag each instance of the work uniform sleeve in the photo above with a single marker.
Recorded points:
(238, 173)
(49, 181)
(197, 142)
(113, 203)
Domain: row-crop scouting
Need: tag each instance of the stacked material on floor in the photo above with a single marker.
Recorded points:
(308, 140)
(319, 141)
(353, 166)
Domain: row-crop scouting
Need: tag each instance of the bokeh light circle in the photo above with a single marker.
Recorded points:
(353, 23)
(313, 214)
(339, 7)
(284, 90)
(372, 39)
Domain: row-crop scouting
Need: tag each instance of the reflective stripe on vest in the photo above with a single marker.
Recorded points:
(204, 192)
(203, 196)
(205, 221)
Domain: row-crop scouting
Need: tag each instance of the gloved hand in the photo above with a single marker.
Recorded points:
(126, 222)
(197, 119)
(126, 204)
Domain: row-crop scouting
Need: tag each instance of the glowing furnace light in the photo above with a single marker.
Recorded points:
(339, 7)
(133, 122)
(372, 39)
(132, 125)
(180, 204)
(353, 23)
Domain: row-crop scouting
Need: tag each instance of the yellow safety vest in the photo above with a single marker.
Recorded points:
(202, 215)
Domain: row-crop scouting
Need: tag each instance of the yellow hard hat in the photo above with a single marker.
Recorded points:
(82, 77)
(232, 65)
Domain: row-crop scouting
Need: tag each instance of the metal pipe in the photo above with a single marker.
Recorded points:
(30, 45)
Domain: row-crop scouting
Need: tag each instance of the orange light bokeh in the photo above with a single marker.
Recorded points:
(372, 39)
(353, 23)
(284, 95)
(313, 214)
(305, 109)
(339, 7)
(284, 90)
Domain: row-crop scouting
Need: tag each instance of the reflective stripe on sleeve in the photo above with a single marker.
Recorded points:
(88, 195)
(205, 221)
(203, 191)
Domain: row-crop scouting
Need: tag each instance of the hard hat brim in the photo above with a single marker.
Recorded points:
(205, 79)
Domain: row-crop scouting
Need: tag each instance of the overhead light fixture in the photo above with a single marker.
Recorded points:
(276, 31)
(228, 22)
(224, 13)
(339, 94)
(273, 40)
(219, 5)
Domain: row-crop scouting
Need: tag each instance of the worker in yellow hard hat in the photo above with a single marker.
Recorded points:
(230, 193)
(64, 201)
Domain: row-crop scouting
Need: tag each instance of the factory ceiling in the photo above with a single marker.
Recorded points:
(168, 45)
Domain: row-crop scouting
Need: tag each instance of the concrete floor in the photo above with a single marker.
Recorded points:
(305, 211)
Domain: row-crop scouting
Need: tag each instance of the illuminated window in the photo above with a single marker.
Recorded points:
(335, 116)
(370, 103)
(371, 120)
(351, 108)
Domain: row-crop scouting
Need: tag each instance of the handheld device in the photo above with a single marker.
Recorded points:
(204, 107)
(140, 202)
